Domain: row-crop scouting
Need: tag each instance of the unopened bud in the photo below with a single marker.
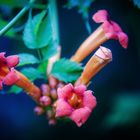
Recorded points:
(100, 59)
(52, 121)
(45, 89)
(54, 94)
(45, 100)
(38, 110)
(52, 81)
(50, 113)
(60, 85)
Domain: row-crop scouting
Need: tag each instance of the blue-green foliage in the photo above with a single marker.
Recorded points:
(15, 90)
(32, 73)
(26, 59)
(66, 70)
(137, 3)
(37, 33)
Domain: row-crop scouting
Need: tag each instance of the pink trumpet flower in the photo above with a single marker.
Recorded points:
(106, 31)
(8, 75)
(112, 29)
(75, 103)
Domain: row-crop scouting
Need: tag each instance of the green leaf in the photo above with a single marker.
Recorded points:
(37, 33)
(137, 3)
(37, 20)
(25, 59)
(49, 51)
(32, 73)
(15, 89)
(29, 34)
(44, 33)
(66, 70)
(42, 67)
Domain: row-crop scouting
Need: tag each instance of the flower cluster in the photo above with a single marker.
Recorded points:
(65, 100)
(74, 102)
(61, 100)
(48, 97)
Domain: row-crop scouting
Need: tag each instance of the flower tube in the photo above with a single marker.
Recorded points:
(100, 59)
(10, 76)
(32, 90)
(107, 30)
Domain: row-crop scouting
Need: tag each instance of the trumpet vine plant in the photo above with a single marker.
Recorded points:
(63, 92)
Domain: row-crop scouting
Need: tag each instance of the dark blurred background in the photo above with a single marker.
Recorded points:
(117, 86)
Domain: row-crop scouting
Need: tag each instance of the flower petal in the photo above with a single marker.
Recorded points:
(80, 116)
(89, 100)
(12, 60)
(112, 29)
(63, 108)
(116, 26)
(100, 16)
(65, 92)
(109, 30)
(80, 89)
(10, 78)
(123, 39)
(2, 56)
(0, 85)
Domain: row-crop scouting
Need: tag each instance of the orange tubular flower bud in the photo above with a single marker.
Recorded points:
(100, 59)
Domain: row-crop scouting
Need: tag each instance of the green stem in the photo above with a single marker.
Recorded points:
(16, 18)
(87, 25)
(54, 20)
(39, 55)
